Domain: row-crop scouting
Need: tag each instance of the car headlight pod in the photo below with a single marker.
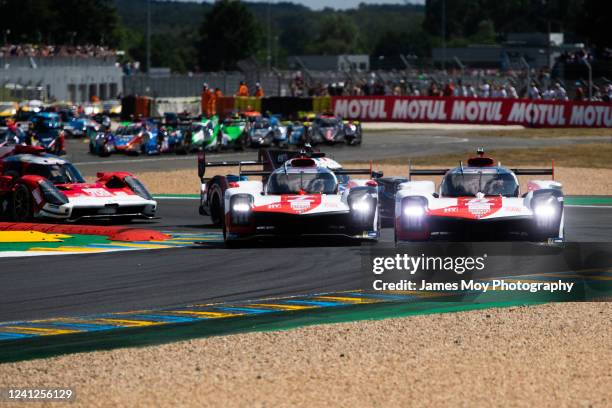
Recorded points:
(413, 212)
(51, 194)
(547, 210)
(137, 187)
(241, 206)
(362, 202)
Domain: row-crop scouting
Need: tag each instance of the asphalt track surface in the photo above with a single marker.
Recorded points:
(35, 288)
(376, 145)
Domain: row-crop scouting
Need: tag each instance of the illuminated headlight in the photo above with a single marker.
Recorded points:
(545, 211)
(361, 206)
(240, 206)
(414, 210)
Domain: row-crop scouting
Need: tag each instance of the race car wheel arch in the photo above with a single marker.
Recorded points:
(21, 203)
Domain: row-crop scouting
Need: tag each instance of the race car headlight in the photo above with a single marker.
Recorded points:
(240, 206)
(545, 211)
(51, 194)
(362, 201)
(361, 206)
(137, 187)
(413, 212)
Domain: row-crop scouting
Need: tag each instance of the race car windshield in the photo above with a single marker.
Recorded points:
(469, 184)
(302, 182)
(263, 124)
(56, 173)
(327, 122)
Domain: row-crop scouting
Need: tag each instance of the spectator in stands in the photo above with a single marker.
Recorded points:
(559, 93)
(534, 92)
(485, 90)
(259, 92)
(471, 91)
(243, 90)
(511, 91)
(449, 89)
(579, 94)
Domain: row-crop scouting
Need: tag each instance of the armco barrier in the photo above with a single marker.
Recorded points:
(534, 113)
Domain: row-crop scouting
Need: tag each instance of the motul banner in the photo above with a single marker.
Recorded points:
(474, 111)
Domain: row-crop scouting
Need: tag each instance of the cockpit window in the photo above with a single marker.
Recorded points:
(56, 173)
(302, 182)
(327, 122)
(469, 184)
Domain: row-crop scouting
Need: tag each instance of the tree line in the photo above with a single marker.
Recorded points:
(189, 36)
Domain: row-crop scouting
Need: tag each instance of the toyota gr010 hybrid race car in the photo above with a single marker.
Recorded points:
(480, 201)
(34, 184)
(300, 194)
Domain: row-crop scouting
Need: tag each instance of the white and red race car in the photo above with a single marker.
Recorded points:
(300, 194)
(480, 201)
(34, 184)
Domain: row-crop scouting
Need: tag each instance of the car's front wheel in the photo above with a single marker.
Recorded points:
(21, 204)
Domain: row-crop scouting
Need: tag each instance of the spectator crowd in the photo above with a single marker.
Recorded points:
(41, 51)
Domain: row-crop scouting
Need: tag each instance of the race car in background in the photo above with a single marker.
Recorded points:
(80, 127)
(132, 139)
(203, 134)
(12, 133)
(46, 131)
(8, 109)
(267, 131)
(477, 201)
(301, 194)
(35, 185)
(232, 133)
(330, 129)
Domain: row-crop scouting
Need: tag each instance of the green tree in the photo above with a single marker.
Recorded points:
(486, 33)
(338, 34)
(229, 33)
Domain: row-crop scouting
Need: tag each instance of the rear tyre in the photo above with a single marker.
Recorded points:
(216, 211)
(21, 204)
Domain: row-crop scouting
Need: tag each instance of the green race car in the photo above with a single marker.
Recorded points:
(205, 134)
(233, 133)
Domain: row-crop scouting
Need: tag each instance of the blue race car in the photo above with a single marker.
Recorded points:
(47, 132)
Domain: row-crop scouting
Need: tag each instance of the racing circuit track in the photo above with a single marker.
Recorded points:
(69, 285)
(210, 273)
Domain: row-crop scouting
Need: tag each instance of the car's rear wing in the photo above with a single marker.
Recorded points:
(518, 171)
(270, 160)
(203, 164)
(368, 172)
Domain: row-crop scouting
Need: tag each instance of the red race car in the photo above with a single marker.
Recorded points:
(34, 184)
